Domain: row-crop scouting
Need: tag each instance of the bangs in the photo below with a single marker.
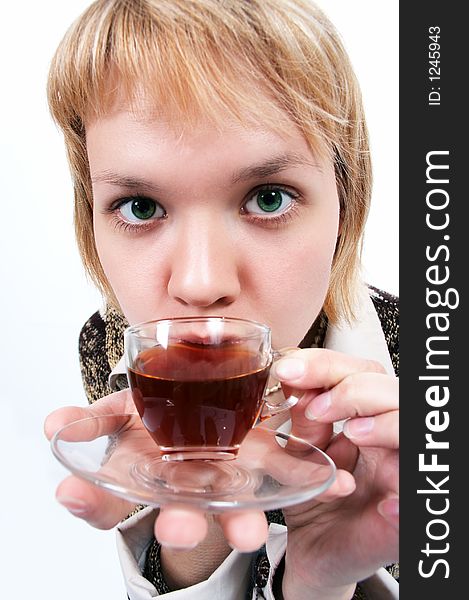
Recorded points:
(191, 60)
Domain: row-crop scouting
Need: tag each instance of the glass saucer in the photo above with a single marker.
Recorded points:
(272, 469)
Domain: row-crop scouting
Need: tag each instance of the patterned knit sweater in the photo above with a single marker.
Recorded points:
(101, 345)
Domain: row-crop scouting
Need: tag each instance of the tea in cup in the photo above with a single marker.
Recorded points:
(198, 383)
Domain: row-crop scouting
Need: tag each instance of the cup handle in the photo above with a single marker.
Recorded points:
(280, 406)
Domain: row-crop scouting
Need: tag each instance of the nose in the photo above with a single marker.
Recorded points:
(204, 269)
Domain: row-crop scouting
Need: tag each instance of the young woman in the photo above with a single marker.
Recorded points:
(220, 160)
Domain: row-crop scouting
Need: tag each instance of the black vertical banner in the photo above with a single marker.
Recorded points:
(434, 257)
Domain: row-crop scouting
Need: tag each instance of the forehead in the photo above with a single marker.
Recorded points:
(143, 124)
(141, 142)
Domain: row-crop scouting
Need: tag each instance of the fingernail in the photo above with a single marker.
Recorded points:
(389, 507)
(348, 488)
(319, 406)
(289, 368)
(243, 551)
(74, 505)
(358, 427)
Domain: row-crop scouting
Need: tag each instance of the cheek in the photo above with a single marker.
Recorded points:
(294, 282)
(129, 270)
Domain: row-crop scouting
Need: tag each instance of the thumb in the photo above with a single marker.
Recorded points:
(389, 510)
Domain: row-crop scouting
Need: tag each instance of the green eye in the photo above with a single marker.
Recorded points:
(143, 208)
(269, 200)
(139, 209)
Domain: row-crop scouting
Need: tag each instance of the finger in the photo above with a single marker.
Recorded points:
(180, 527)
(315, 432)
(389, 510)
(90, 428)
(114, 404)
(314, 368)
(343, 452)
(357, 395)
(292, 464)
(343, 486)
(318, 434)
(244, 531)
(92, 504)
(381, 431)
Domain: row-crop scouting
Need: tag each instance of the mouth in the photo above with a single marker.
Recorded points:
(201, 330)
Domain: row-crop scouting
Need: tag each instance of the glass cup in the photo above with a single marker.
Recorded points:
(199, 383)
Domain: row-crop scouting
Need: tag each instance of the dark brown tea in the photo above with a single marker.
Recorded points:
(193, 396)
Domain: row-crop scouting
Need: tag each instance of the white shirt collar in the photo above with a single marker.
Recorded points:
(364, 338)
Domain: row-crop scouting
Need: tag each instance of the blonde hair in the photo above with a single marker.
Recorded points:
(204, 58)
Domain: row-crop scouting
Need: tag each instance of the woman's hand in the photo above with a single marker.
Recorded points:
(335, 540)
(333, 545)
(176, 527)
(206, 538)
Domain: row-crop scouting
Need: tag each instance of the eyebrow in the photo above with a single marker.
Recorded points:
(124, 181)
(264, 169)
(273, 166)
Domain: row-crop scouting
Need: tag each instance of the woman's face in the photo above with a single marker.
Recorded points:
(241, 222)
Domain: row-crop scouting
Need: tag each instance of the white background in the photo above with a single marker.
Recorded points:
(45, 297)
